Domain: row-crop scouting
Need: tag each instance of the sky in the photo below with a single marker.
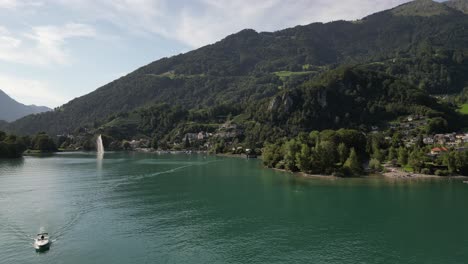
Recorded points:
(52, 51)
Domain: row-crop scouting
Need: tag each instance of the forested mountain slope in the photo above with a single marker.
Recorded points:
(419, 47)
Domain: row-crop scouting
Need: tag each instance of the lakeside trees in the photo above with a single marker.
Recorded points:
(347, 152)
(12, 146)
(338, 152)
(43, 143)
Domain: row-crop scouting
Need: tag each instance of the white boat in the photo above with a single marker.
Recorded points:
(42, 242)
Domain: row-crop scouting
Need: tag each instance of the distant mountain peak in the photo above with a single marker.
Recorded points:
(11, 110)
(460, 5)
(422, 8)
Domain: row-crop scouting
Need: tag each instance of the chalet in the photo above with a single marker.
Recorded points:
(438, 150)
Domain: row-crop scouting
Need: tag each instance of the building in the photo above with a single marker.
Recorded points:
(428, 140)
(438, 150)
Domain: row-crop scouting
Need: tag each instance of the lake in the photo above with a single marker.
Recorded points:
(150, 208)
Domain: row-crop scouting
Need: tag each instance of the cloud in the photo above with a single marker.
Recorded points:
(13, 4)
(28, 91)
(37, 34)
(200, 22)
(42, 45)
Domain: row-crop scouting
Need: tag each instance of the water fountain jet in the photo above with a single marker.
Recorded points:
(99, 145)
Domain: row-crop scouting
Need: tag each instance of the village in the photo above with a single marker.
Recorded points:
(412, 128)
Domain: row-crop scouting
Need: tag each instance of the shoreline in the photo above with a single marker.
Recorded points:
(396, 174)
(306, 175)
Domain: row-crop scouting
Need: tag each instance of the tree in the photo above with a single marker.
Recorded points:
(437, 125)
(420, 141)
(154, 143)
(2, 136)
(396, 139)
(374, 164)
(462, 162)
(327, 152)
(450, 160)
(44, 143)
(343, 152)
(186, 143)
(392, 154)
(352, 164)
(126, 145)
(402, 156)
(291, 148)
(416, 160)
(11, 146)
(303, 158)
(271, 155)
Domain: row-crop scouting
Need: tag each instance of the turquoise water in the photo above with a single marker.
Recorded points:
(149, 208)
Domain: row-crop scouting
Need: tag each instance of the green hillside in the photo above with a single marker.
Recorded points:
(284, 82)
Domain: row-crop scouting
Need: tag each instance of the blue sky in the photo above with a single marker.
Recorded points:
(52, 51)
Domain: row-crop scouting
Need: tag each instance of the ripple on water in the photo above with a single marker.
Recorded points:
(189, 210)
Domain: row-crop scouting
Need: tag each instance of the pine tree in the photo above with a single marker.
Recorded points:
(343, 152)
(402, 156)
(352, 163)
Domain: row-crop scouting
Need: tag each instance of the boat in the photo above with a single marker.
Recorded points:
(465, 182)
(42, 242)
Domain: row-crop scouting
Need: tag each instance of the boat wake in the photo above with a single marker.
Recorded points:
(81, 204)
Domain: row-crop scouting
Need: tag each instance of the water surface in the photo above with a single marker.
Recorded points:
(149, 208)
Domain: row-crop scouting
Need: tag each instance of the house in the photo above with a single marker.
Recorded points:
(438, 150)
(451, 137)
(440, 139)
(462, 138)
(142, 143)
(250, 154)
(201, 135)
(428, 140)
(452, 144)
(191, 136)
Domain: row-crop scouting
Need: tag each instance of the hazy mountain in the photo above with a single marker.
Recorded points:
(11, 110)
(419, 45)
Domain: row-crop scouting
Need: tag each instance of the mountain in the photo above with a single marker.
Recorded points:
(11, 110)
(422, 8)
(419, 47)
(461, 5)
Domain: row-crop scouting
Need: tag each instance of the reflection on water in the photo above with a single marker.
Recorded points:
(6, 164)
(146, 208)
(99, 158)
